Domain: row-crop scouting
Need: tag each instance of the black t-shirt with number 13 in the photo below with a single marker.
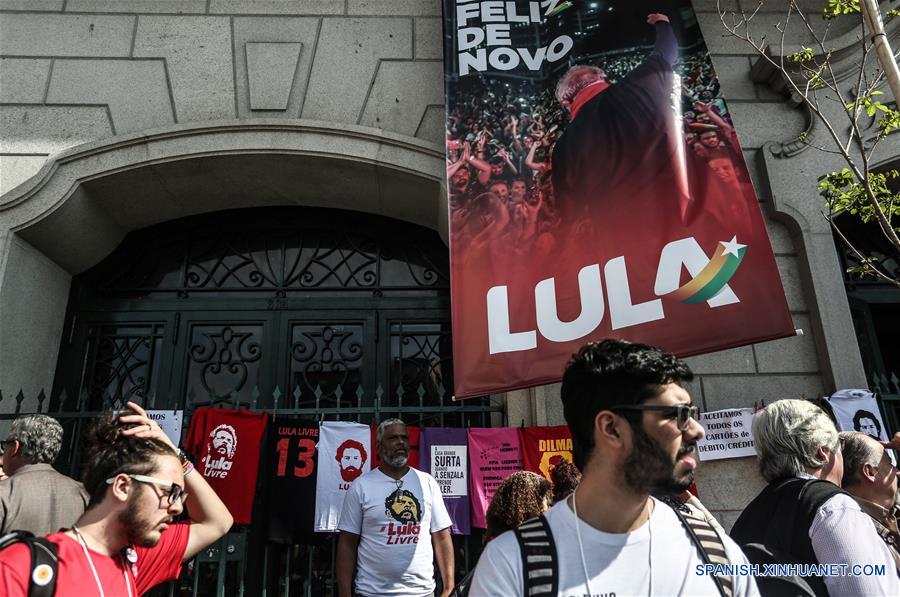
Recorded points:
(292, 480)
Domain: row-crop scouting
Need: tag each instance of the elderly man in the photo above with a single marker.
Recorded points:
(35, 497)
(871, 478)
(803, 514)
(393, 526)
(621, 136)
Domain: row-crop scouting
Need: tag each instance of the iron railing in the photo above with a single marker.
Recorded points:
(244, 561)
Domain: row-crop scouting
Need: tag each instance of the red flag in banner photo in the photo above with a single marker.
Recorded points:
(413, 447)
(596, 189)
(544, 447)
(227, 443)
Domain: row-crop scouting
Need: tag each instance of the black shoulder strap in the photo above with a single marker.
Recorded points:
(539, 569)
(44, 562)
(710, 546)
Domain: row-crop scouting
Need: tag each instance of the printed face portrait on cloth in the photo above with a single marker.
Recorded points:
(402, 506)
(351, 456)
(224, 440)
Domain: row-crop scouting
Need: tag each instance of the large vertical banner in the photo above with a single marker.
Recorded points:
(444, 455)
(596, 189)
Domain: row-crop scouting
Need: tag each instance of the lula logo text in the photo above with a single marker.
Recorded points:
(709, 284)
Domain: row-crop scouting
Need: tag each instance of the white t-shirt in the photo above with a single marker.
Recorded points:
(395, 522)
(617, 563)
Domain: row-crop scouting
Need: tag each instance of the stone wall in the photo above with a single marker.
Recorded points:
(81, 70)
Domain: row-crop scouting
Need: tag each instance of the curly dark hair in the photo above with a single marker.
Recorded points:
(520, 497)
(109, 453)
(608, 373)
(565, 477)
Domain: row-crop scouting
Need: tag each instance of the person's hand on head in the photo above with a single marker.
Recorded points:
(654, 18)
(143, 426)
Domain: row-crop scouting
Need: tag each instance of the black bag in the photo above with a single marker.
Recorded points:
(44, 562)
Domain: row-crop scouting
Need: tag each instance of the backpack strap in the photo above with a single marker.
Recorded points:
(44, 562)
(710, 546)
(539, 569)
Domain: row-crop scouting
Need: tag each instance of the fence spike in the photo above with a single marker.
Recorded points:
(20, 397)
(297, 393)
(40, 400)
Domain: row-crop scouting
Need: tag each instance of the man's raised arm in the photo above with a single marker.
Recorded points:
(666, 44)
(210, 518)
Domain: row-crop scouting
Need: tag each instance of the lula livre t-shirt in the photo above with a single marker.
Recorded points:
(394, 519)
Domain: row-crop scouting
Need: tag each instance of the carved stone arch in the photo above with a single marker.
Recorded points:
(84, 201)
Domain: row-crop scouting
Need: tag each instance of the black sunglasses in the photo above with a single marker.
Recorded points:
(682, 412)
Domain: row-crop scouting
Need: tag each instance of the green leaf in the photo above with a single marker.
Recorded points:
(836, 8)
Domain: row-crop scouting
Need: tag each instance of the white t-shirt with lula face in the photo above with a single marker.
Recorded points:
(394, 521)
(659, 558)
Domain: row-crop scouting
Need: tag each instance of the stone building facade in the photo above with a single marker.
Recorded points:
(118, 115)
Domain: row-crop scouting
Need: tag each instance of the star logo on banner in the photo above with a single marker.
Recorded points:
(732, 246)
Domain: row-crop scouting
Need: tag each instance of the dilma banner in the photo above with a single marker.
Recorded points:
(596, 189)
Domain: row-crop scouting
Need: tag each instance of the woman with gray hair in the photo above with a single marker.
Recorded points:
(802, 516)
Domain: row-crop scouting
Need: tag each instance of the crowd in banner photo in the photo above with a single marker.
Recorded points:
(500, 140)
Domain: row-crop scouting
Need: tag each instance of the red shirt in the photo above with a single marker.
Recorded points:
(75, 578)
(227, 444)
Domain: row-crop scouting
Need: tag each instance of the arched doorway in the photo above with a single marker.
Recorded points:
(298, 311)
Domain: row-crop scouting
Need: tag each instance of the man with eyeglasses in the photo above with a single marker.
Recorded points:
(35, 497)
(127, 541)
(634, 433)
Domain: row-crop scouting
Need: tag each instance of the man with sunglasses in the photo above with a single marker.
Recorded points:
(36, 498)
(127, 541)
(634, 432)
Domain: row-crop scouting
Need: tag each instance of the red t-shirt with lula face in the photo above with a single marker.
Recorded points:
(227, 446)
(75, 577)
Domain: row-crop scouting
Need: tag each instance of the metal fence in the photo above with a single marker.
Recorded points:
(244, 562)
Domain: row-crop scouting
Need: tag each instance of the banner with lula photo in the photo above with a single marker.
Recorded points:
(596, 188)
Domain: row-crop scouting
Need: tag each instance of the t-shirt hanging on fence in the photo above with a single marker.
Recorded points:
(494, 454)
(292, 480)
(857, 410)
(414, 433)
(344, 454)
(545, 447)
(445, 457)
(227, 443)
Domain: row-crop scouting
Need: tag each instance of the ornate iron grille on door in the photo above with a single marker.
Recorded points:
(320, 313)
